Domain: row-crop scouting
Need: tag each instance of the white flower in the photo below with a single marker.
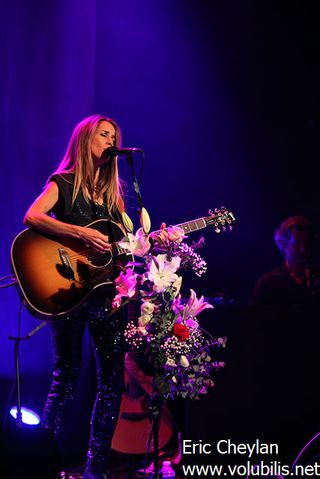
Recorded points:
(144, 319)
(162, 272)
(147, 307)
(142, 331)
(184, 361)
(137, 244)
(177, 286)
(175, 233)
(170, 362)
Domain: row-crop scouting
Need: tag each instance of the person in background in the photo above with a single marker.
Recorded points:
(294, 282)
(286, 307)
(84, 188)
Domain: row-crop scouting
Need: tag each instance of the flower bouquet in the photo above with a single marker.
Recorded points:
(181, 352)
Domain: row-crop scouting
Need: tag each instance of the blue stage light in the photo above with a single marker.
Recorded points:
(28, 416)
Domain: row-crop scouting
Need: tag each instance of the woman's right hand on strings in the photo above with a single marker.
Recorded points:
(94, 239)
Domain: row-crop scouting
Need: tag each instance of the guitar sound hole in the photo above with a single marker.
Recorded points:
(93, 274)
(101, 259)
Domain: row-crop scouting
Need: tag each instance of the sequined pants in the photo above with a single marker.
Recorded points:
(107, 340)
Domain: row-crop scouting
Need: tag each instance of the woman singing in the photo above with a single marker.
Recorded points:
(84, 188)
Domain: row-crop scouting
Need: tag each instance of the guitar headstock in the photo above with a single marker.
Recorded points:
(221, 219)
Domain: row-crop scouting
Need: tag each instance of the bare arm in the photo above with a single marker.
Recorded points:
(37, 217)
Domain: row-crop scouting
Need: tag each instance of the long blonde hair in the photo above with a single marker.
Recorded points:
(78, 160)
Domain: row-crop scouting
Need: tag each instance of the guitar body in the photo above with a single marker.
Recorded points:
(133, 426)
(55, 275)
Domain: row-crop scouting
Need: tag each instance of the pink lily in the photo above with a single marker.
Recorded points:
(126, 283)
(116, 302)
(194, 306)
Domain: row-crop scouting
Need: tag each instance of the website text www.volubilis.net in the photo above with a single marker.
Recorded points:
(251, 465)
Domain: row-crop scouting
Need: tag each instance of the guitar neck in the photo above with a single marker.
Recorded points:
(190, 226)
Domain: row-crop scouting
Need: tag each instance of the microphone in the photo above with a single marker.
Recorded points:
(115, 151)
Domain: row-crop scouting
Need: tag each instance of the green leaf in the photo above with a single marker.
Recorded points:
(161, 385)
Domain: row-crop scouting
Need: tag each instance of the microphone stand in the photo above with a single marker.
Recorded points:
(155, 408)
(135, 181)
(157, 400)
(17, 340)
(144, 216)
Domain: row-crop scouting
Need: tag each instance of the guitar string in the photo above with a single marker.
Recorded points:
(190, 230)
(91, 254)
(88, 251)
(96, 277)
(96, 272)
(91, 250)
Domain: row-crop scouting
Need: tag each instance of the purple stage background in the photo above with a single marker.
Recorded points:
(223, 98)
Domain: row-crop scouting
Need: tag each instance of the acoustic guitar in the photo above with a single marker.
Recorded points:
(56, 274)
(133, 426)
